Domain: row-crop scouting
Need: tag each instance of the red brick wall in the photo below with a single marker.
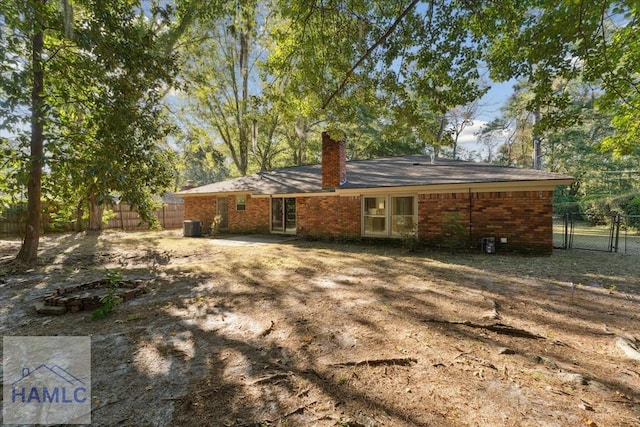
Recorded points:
(334, 162)
(202, 209)
(329, 216)
(432, 209)
(255, 219)
(524, 218)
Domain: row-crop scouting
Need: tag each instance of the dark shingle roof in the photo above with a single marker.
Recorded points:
(405, 171)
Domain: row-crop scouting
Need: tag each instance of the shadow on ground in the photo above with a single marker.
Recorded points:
(251, 331)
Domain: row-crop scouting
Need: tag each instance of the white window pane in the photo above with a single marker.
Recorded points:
(375, 215)
(402, 205)
(402, 215)
(376, 225)
(402, 224)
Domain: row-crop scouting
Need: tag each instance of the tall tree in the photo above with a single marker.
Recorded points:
(494, 134)
(22, 51)
(29, 248)
(461, 117)
(434, 47)
(199, 161)
(543, 41)
(518, 149)
(118, 126)
(94, 100)
(221, 85)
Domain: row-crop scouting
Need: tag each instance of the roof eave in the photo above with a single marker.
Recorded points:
(212, 193)
(522, 185)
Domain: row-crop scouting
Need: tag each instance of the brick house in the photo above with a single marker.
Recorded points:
(386, 198)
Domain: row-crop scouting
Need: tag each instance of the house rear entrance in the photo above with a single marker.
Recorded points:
(223, 211)
(283, 215)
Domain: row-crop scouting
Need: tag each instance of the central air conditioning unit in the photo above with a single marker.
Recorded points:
(489, 245)
(192, 228)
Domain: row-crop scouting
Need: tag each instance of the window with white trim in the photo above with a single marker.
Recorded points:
(241, 203)
(388, 216)
(402, 215)
(375, 216)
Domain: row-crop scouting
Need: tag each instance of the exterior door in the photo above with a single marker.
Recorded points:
(222, 211)
(290, 215)
(283, 215)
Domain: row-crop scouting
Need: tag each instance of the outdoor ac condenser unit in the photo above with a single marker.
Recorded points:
(192, 228)
(489, 245)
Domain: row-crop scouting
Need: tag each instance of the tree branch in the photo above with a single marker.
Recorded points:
(381, 40)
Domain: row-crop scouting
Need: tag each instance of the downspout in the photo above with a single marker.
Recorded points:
(270, 213)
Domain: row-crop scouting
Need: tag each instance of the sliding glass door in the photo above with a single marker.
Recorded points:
(283, 215)
(223, 212)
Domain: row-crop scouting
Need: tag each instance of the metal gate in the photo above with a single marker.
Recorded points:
(630, 235)
(593, 233)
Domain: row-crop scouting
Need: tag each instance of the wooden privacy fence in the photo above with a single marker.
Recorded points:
(170, 215)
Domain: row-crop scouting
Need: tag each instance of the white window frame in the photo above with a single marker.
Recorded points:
(244, 204)
(375, 213)
(383, 211)
(411, 219)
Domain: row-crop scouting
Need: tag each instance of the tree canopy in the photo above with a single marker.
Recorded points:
(126, 98)
(96, 74)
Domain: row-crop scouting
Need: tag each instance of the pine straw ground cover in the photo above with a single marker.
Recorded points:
(272, 332)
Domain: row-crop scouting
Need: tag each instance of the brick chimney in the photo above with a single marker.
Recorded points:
(334, 162)
(188, 186)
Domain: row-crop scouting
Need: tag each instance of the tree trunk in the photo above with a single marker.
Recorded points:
(439, 138)
(537, 143)
(244, 105)
(455, 147)
(79, 225)
(95, 214)
(301, 131)
(29, 250)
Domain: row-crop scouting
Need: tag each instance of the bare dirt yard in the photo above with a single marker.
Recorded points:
(252, 331)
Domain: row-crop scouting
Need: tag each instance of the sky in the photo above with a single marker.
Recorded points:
(491, 103)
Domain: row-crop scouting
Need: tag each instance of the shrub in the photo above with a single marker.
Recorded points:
(596, 209)
(571, 208)
(599, 209)
(455, 233)
(632, 209)
(111, 299)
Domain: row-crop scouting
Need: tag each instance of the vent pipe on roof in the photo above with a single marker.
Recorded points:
(334, 162)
